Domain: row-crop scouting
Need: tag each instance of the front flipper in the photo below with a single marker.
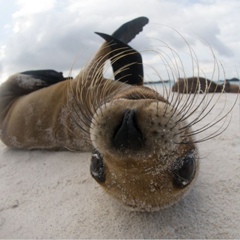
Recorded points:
(126, 61)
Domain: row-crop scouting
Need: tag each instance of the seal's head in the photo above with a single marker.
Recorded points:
(139, 157)
(144, 151)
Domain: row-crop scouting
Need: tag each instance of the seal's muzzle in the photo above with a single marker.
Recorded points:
(128, 135)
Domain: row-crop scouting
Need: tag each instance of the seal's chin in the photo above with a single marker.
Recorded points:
(136, 156)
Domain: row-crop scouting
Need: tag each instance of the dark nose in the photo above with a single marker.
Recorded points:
(128, 135)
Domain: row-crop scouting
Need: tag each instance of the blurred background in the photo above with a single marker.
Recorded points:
(183, 37)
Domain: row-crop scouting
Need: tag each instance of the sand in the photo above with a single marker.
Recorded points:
(47, 194)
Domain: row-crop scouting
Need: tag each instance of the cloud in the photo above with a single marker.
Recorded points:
(28, 7)
(60, 34)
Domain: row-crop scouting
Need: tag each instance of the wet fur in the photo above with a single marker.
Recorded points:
(83, 114)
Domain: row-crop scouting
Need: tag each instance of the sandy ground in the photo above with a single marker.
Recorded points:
(52, 195)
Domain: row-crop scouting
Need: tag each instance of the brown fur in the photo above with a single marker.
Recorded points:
(85, 113)
(67, 114)
(50, 117)
(142, 179)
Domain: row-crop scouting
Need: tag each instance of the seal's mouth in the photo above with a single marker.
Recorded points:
(127, 134)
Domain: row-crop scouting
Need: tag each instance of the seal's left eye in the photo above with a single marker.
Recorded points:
(184, 170)
(97, 167)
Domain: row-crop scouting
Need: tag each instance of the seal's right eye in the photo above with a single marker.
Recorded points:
(97, 167)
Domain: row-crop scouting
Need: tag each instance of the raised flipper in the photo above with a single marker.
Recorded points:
(124, 34)
(130, 29)
(126, 61)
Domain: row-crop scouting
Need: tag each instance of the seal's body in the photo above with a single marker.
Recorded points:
(144, 153)
(42, 119)
(38, 109)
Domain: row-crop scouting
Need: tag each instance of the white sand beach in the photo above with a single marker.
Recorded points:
(47, 194)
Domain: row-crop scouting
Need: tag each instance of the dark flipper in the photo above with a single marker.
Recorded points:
(48, 76)
(126, 62)
(130, 29)
(124, 34)
(26, 82)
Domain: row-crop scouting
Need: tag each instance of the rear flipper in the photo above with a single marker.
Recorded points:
(24, 83)
(116, 45)
(36, 79)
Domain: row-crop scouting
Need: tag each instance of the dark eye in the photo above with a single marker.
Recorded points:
(97, 167)
(184, 170)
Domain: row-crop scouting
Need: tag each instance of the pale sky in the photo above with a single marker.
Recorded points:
(59, 34)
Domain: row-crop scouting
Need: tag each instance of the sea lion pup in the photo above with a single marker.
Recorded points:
(36, 109)
(198, 85)
(144, 153)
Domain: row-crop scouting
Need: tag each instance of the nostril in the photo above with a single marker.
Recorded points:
(128, 135)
